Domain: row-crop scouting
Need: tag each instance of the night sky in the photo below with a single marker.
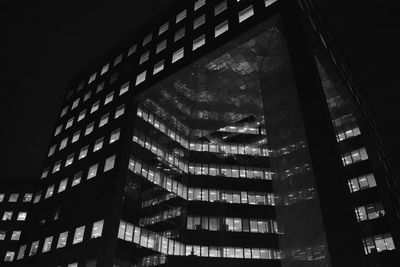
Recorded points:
(45, 43)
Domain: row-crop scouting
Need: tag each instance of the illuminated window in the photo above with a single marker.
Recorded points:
(92, 171)
(87, 96)
(51, 150)
(198, 4)
(354, 156)
(132, 49)
(220, 8)
(57, 166)
(16, 235)
(141, 78)
(75, 104)
(21, 252)
(98, 144)
(9, 256)
(62, 240)
(89, 128)
(13, 197)
(27, 197)
(58, 130)
(74, 264)
(75, 137)
(179, 34)
(144, 57)
(69, 123)
(105, 69)
(99, 87)
(97, 229)
(95, 107)
(177, 55)
(198, 42)
(114, 136)
(246, 13)
(7, 215)
(163, 28)
(77, 178)
(64, 111)
(63, 185)
(92, 78)
(124, 88)
(49, 192)
(180, 16)
(109, 98)
(103, 120)
(109, 164)
(199, 21)
(83, 152)
(37, 197)
(161, 46)
(21, 216)
(117, 60)
(362, 182)
(1, 197)
(221, 28)
(81, 115)
(269, 2)
(3, 235)
(63, 143)
(47, 244)
(70, 159)
(147, 39)
(78, 236)
(158, 67)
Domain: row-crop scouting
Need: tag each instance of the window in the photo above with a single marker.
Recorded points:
(13, 197)
(51, 150)
(75, 104)
(1, 197)
(63, 185)
(69, 123)
(99, 87)
(62, 240)
(163, 28)
(37, 197)
(95, 107)
(199, 21)
(119, 111)
(221, 28)
(74, 264)
(246, 13)
(109, 98)
(78, 236)
(177, 55)
(200, 41)
(75, 137)
(198, 4)
(98, 144)
(3, 235)
(269, 2)
(114, 136)
(81, 115)
(103, 120)
(104, 69)
(47, 244)
(92, 78)
(92, 171)
(141, 78)
(147, 39)
(158, 67)
(21, 216)
(49, 191)
(16, 235)
(109, 163)
(34, 248)
(27, 197)
(132, 49)
(89, 128)
(124, 88)
(87, 96)
(63, 143)
(220, 8)
(97, 229)
(7, 215)
(57, 166)
(9, 256)
(161, 46)
(179, 34)
(77, 178)
(64, 111)
(83, 152)
(58, 130)
(21, 252)
(362, 182)
(354, 156)
(117, 60)
(144, 57)
(180, 16)
(69, 160)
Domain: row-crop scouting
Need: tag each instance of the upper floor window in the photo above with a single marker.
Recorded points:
(75, 104)
(362, 182)
(178, 55)
(119, 111)
(21, 216)
(180, 16)
(99, 87)
(132, 49)
(124, 88)
(92, 78)
(161, 46)
(34, 248)
(77, 178)
(105, 68)
(64, 111)
(9, 256)
(269, 2)
(98, 144)
(95, 106)
(87, 96)
(27, 197)
(109, 163)
(69, 123)
(221, 28)
(92, 171)
(7, 215)
(57, 166)
(198, 4)
(378, 243)
(21, 252)
(147, 39)
(109, 98)
(49, 192)
(246, 13)
(354, 156)
(45, 173)
(70, 159)
(89, 128)
(83, 152)
(117, 60)
(3, 235)
(199, 21)
(198, 42)
(63, 185)
(62, 240)
(163, 28)
(75, 137)
(144, 57)
(97, 229)
(179, 34)
(13, 197)
(51, 150)
(114, 136)
(1, 197)
(158, 67)
(103, 120)
(16, 235)
(369, 212)
(78, 236)
(58, 130)
(63, 143)
(220, 8)
(47, 244)
(82, 115)
(141, 78)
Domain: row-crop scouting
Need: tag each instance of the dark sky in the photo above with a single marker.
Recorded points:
(45, 43)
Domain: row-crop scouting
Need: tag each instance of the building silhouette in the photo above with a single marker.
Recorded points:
(225, 133)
